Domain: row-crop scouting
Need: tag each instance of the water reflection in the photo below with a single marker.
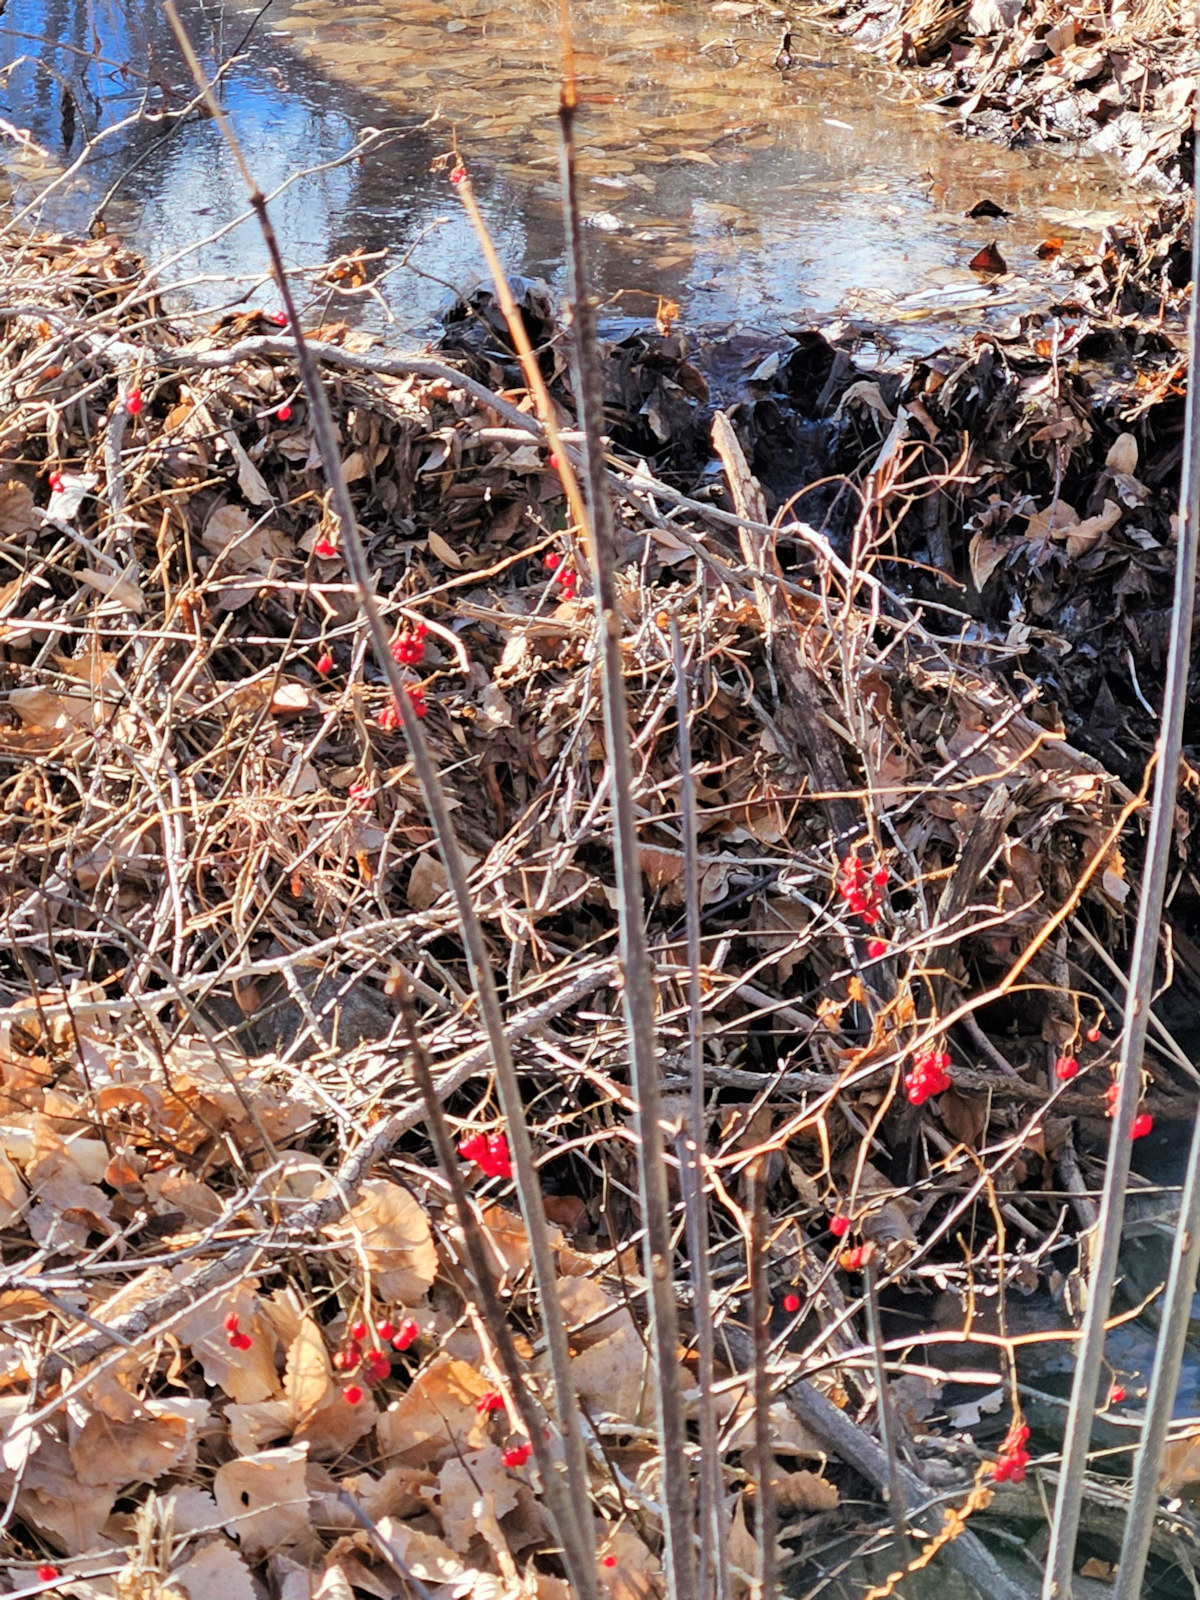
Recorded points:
(753, 198)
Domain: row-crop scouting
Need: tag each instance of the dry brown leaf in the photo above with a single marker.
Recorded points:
(460, 1485)
(18, 514)
(805, 1491)
(215, 1572)
(1088, 533)
(114, 587)
(445, 553)
(1180, 1464)
(429, 1557)
(426, 881)
(262, 1501)
(610, 1375)
(985, 556)
(246, 1376)
(437, 1415)
(392, 1229)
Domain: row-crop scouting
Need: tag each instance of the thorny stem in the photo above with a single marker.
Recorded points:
(574, 1531)
(714, 1557)
(1185, 1257)
(1084, 1392)
(638, 992)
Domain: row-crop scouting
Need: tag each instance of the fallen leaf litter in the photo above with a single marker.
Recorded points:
(231, 1277)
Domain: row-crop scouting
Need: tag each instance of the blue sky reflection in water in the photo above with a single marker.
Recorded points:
(754, 200)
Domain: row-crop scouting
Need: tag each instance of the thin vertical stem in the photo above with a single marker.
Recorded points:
(571, 1511)
(766, 1520)
(1084, 1393)
(1185, 1258)
(714, 1556)
(638, 992)
(887, 1416)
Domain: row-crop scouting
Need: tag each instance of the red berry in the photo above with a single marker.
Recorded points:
(839, 1226)
(353, 1394)
(416, 696)
(279, 318)
(385, 1330)
(55, 480)
(133, 402)
(358, 1331)
(608, 1561)
(1093, 1034)
(231, 1322)
(458, 175)
(345, 1360)
(852, 1260)
(389, 718)
(378, 1367)
(324, 664)
(553, 462)
(791, 1302)
(1142, 1125)
(47, 1574)
(325, 548)
(491, 1401)
(880, 875)
(1065, 1068)
(552, 561)
(405, 1335)
(517, 1455)
(1111, 1095)
(284, 414)
(1116, 1394)
(876, 948)
(240, 1341)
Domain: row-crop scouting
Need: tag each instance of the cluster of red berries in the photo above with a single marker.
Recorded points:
(47, 1574)
(930, 1075)
(237, 1339)
(489, 1154)
(375, 1363)
(1143, 1123)
(408, 648)
(516, 1455)
(863, 895)
(326, 549)
(389, 718)
(1014, 1457)
(565, 577)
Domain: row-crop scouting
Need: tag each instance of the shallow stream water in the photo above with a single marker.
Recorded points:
(752, 197)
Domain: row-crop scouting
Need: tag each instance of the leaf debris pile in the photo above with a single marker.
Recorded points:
(1119, 83)
(241, 1346)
